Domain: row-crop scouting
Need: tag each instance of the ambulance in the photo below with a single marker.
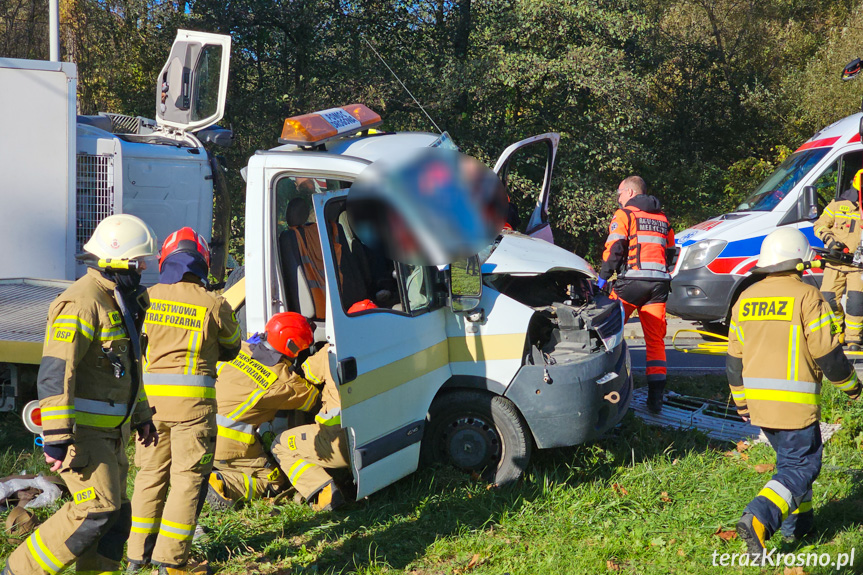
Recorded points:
(717, 255)
(521, 353)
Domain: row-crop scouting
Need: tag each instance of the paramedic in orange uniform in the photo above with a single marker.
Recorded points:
(638, 249)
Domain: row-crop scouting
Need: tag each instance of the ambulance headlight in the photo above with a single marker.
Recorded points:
(702, 253)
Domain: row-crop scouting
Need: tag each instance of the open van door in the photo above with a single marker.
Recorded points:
(193, 84)
(521, 166)
(388, 362)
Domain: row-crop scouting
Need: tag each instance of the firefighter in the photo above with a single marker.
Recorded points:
(250, 390)
(306, 452)
(783, 341)
(639, 246)
(839, 229)
(90, 394)
(189, 329)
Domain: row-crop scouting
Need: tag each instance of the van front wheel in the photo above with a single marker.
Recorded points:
(478, 432)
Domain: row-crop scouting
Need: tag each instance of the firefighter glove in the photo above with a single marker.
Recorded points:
(603, 285)
(834, 245)
(57, 452)
(147, 434)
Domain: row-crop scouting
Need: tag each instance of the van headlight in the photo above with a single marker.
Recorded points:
(702, 253)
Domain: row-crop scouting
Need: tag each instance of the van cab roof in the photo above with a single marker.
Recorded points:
(845, 131)
(373, 147)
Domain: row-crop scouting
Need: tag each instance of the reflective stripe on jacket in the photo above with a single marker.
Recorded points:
(250, 393)
(783, 340)
(189, 330)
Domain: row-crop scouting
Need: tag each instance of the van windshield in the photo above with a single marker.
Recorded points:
(782, 181)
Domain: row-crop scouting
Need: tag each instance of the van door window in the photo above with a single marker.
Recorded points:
(524, 176)
(298, 243)
(365, 272)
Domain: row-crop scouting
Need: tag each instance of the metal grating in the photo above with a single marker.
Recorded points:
(121, 124)
(94, 196)
(24, 309)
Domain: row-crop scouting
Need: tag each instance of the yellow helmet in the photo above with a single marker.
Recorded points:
(856, 182)
(122, 237)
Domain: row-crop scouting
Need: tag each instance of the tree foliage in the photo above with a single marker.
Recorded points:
(698, 96)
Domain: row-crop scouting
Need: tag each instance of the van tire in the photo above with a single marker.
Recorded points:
(478, 432)
(236, 275)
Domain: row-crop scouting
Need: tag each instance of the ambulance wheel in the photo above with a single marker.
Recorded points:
(236, 275)
(480, 433)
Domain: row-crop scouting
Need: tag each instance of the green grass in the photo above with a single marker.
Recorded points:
(641, 501)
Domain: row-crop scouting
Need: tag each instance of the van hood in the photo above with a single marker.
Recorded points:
(715, 227)
(517, 254)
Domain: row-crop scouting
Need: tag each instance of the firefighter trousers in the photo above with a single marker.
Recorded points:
(305, 453)
(162, 528)
(786, 500)
(92, 528)
(248, 479)
(649, 298)
(836, 281)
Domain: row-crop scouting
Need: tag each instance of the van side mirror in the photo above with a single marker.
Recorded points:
(807, 204)
(465, 284)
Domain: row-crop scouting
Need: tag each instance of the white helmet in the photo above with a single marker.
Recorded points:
(782, 245)
(122, 237)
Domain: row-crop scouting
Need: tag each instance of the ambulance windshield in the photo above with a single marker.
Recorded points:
(776, 187)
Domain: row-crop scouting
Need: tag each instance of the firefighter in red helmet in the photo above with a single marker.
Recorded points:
(189, 330)
(261, 381)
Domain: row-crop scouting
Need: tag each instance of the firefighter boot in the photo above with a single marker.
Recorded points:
(135, 567)
(655, 390)
(216, 496)
(329, 498)
(752, 532)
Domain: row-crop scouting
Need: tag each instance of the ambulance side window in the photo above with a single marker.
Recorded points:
(851, 164)
(826, 186)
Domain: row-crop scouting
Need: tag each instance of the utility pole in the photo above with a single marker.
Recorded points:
(54, 29)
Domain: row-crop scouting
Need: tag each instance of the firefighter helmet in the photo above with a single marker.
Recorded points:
(784, 245)
(362, 305)
(185, 240)
(856, 182)
(122, 237)
(289, 333)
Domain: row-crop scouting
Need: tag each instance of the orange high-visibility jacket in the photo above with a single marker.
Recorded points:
(640, 233)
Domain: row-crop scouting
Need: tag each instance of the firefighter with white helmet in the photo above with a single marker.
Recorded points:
(783, 341)
(839, 229)
(261, 381)
(90, 394)
(189, 329)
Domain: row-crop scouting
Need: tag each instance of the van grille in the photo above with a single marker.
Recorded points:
(94, 196)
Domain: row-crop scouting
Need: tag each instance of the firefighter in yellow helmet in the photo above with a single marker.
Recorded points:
(251, 389)
(782, 343)
(839, 229)
(306, 452)
(189, 329)
(90, 393)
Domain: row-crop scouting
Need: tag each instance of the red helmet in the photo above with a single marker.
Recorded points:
(289, 333)
(184, 240)
(362, 305)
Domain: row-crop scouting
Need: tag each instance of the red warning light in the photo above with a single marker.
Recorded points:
(36, 417)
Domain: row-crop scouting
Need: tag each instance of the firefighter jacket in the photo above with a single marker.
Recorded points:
(639, 242)
(783, 340)
(317, 370)
(250, 393)
(841, 221)
(188, 331)
(85, 379)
